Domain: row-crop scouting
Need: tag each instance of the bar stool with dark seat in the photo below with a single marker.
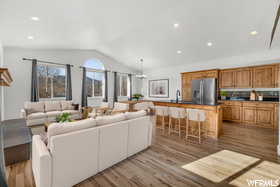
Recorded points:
(197, 116)
(176, 114)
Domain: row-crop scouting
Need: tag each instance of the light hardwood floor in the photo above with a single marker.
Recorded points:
(160, 165)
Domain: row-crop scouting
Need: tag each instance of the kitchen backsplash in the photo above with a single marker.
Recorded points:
(246, 94)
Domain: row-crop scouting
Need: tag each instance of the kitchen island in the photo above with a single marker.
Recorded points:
(213, 123)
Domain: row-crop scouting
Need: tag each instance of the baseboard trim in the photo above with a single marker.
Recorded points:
(278, 150)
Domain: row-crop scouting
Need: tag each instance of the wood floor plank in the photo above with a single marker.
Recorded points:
(160, 165)
(266, 171)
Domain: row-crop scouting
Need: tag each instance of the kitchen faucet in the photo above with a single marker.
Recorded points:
(177, 95)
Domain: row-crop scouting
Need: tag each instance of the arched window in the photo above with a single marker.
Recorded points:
(94, 64)
(95, 78)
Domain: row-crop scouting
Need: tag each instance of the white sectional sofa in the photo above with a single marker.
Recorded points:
(79, 150)
(37, 113)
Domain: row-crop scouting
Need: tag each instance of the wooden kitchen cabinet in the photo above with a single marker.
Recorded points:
(253, 113)
(236, 113)
(243, 78)
(232, 111)
(226, 79)
(264, 117)
(227, 113)
(186, 87)
(236, 78)
(277, 76)
(264, 76)
(249, 115)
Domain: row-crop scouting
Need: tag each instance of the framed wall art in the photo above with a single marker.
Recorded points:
(159, 88)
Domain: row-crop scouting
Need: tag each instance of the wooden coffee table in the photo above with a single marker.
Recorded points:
(46, 125)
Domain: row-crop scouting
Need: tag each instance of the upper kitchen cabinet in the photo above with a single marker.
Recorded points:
(186, 87)
(226, 79)
(236, 78)
(243, 78)
(264, 76)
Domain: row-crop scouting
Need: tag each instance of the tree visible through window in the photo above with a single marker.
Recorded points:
(51, 81)
(95, 82)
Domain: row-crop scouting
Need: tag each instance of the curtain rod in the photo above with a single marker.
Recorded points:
(30, 59)
(98, 70)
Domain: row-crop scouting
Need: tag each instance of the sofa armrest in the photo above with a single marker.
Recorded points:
(41, 162)
(23, 113)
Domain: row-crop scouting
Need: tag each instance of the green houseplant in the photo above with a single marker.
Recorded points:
(223, 95)
(64, 117)
(137, 96)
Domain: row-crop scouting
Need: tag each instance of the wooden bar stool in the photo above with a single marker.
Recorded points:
(162, 112)
(197, 116)
(177, 114)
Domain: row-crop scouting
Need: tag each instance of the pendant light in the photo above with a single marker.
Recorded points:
(141, 76)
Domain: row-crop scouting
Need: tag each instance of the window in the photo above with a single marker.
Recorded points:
(51, 81)
(95, 82)
(123, 81)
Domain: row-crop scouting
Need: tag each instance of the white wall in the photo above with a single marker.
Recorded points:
(1, 88)
(173, 73)
(20, 90)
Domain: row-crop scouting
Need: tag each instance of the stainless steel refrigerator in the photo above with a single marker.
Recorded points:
(204, 91)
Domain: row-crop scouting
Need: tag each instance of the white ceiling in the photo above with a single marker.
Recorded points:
(128, 30)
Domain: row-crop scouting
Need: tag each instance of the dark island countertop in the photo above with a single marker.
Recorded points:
(256, 101)
(182, 102)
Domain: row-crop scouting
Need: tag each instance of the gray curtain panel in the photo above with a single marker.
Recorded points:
(34, 82)
(84, 88)
(68, 83)
(115, 87)
(130, 90)
(106, 87)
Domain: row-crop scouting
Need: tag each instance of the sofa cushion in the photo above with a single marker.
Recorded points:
(138, 114)
(62, 128)
(33, 107)
(53, 113)
(67, 105)
(52, 106)
(71, 111)
(103, 120)
(37, 115)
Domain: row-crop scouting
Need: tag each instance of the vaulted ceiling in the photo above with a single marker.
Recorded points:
(128, 30)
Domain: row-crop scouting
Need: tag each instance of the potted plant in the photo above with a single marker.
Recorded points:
(137, 96)
(64, 117)
(223, 95)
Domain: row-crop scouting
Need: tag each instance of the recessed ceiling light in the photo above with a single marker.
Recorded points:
(254, 33)
(30, 37)
(176, 25)
(34, 18)
(209, 44)
(179, 52)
